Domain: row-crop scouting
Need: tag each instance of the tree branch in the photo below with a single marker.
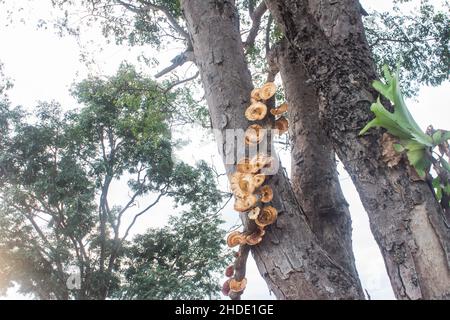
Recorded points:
(267, 39)
(177, 83)
(240, 264)
(179, 60)
(170, 18)
(256, 18)
(141, 213)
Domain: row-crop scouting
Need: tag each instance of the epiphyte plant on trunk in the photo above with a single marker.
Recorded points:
(404, 137)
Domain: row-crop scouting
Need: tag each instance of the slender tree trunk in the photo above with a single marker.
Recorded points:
(290, 257)
(405, 218)
(313, 165)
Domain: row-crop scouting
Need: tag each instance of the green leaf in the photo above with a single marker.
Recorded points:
(437, 137)
(445, 164)
(446, 136)
(447, 189)
(436, 183)
(398, 148)
(400, 123)
(417, 157)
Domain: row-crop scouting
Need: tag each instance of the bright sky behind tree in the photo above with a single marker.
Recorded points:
(43, 66)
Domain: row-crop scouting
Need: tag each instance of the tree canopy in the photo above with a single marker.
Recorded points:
(58, 170)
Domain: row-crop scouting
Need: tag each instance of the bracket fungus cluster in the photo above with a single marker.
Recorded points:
(252, 196)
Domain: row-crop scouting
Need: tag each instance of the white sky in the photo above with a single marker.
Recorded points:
(43, 67)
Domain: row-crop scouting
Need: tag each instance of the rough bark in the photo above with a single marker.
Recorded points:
(405, 218)
(313, 165)
(289, 258)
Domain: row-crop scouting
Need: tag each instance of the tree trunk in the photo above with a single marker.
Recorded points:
(290, 257)
(406, 220)
(313, 165)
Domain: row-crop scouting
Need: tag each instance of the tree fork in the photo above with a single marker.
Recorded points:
(405, 218)
(290, 257)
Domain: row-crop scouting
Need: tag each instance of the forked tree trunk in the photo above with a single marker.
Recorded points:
(290, 258)
(405, 218)
(313, 165)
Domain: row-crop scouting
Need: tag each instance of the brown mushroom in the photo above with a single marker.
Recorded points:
(235, 238)
(268, 215)
(229, 271)
(256, 111)
(253, 134)
(281, 125)
(255, 94)
(255, 237)
(245, 203)
(245, 166)
(238, 286)
(247, 183)
(260, 161)
(280, 110)
(226, 287)
(258, 180)
(266, 194)
(267, 90)
(253, 214)
(234, 185)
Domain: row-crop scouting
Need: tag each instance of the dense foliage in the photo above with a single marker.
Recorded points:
(73, 185)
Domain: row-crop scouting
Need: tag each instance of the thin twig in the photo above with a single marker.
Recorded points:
(177, 83)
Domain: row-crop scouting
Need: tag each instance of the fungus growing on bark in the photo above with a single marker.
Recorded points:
(258, 180)
(246, 184)
(237, 286)
(253, 214)
(260, 161)
(280, 110)
(266, 194)
(281, 125)
(253, 134)
(245, 166)
(256, 111)
(255, 94)
(255, 238)
(226, 287)
(245, 203)
(235, 238)
(267, 90)
(241, 184)
(229, 271)
(267, 216)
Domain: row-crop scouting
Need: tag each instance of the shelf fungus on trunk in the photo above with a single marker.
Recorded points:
(235, 238)
(255, 94)
(229, 271)
(258, 180)
(267, 90)
(266, 194)
(256, 111)
(245, 166)
(255, 237)
(247, 187)
(253, 213)
(254, 134)
(280, 110)
(238, 286)
(267, 216)
(261, 161)
(226, 287)
(281, 125)
(245, 203)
